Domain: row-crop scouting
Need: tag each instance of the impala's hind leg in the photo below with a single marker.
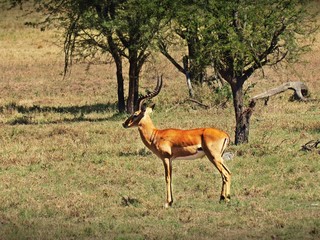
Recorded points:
(214, 155)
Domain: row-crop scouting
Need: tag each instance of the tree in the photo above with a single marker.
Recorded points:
(123, 28)
(248, 35)
(240, 37)
(186, 20)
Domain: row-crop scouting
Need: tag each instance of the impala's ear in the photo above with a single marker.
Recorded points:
(150, 108)
(143, 107)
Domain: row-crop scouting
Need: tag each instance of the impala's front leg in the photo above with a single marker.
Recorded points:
(168, 177)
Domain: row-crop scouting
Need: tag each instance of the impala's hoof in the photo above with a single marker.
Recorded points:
(225, 199)
(167, 205)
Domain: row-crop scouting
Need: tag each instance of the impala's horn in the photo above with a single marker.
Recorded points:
(152, 94)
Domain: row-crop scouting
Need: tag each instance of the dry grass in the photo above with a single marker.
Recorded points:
(68, 170)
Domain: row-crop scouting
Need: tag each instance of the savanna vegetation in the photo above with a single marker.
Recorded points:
(68, 170)
(230, 39)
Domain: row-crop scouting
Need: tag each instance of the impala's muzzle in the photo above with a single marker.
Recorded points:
(127, 123)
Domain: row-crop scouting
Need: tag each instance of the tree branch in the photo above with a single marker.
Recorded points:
(197, 102)
(261, 59)
(163, 50)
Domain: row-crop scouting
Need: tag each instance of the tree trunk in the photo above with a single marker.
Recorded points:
(243, 114)
(186, 70)
(196, 70)
(115, 52)
(242, 117)
(133, 85)
(121, 101)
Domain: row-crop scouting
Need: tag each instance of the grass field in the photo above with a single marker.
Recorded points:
(68, 170)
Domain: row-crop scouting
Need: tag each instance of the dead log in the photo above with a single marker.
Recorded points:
(309, 146)
(300, 89)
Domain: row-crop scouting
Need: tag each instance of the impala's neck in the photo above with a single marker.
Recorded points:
(146, 130)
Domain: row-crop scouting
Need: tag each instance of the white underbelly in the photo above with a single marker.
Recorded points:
(199, 154)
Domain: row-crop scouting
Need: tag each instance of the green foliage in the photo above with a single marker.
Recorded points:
(238, 37)
(214, 96)
(222, 95)
(118, 27)
(245, 35)
(96, 30)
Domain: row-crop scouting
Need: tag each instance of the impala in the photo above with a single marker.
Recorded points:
(170, 144)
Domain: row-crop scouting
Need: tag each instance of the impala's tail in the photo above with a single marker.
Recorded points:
(225, 144)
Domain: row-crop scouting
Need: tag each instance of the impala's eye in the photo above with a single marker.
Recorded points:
(136, 114)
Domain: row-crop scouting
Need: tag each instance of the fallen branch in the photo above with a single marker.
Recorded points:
(311, 145)
(300, 89)
(200, 103)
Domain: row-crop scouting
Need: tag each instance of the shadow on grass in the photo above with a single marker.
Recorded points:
(78, 113)
(84, 109)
